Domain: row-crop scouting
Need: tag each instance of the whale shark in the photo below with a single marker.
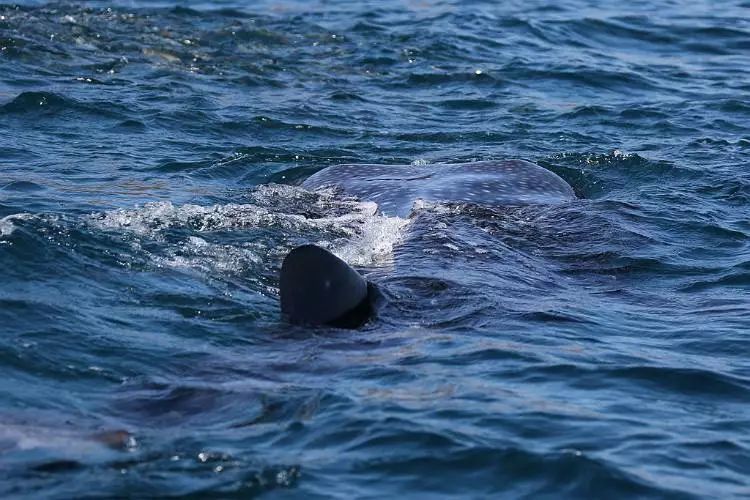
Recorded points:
(395, 188)
(318, 288)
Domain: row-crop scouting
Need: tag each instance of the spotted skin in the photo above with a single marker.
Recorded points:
(395, 188)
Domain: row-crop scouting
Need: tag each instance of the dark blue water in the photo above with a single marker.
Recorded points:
(149, 162)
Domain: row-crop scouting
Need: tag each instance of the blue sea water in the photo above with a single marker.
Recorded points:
(150, 157)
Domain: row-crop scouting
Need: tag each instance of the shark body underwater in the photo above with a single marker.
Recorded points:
(318, 288)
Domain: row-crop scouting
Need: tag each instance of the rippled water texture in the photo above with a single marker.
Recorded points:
(150, 162)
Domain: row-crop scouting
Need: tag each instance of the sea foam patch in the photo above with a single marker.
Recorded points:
(229, 238)
(7, 226)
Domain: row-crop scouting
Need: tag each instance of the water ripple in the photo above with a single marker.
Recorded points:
(149, 160)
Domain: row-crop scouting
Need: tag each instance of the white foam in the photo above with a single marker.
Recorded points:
(6, 227)
(351, 229)
(152, 218)
(155, 217)
(6, 223)
(199, 254)
(374, 244)
(421, 205)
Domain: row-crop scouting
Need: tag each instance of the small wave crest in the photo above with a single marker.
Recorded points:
(6, 226)
(374, 244)
(209, 237)
(6, 223)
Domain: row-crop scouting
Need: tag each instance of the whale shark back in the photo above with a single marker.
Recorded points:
(395, 188)
(316, 287)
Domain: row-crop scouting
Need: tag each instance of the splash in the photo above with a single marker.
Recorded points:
(374, 244)
(350, 228)
(6, 226)
(6, 223)
(200, 255)
(154, 218)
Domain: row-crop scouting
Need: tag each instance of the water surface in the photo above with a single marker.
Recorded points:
(150, 162)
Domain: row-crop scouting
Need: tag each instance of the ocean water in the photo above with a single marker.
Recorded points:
(150, 161)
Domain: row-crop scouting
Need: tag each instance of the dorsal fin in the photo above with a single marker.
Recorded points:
(317, 288)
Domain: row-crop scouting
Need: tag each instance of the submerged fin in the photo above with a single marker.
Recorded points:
(318, 288)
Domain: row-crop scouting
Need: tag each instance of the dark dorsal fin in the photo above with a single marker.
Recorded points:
(317, 288)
